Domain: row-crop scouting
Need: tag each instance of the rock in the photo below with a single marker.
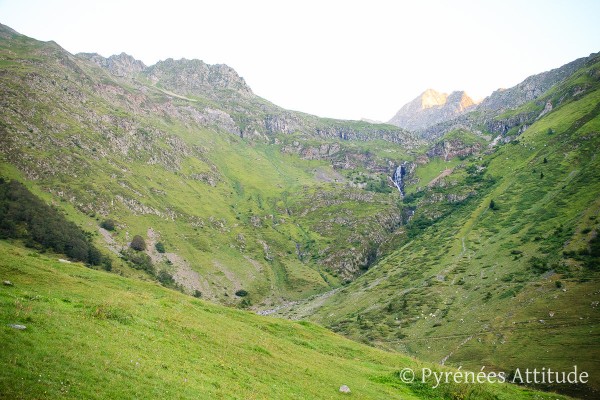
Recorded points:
(17, 326)
(7, 283)
(431, 108)
(344, 389)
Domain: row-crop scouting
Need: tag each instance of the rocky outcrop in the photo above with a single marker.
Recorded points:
(121, 65)
(431, 108)
(448, 149)
(530, 89)
(196, 78)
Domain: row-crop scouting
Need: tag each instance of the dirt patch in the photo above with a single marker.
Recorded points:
(111, 244)
(327, 175)
(444, 174)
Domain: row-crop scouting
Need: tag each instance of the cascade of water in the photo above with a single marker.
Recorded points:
(397, 178)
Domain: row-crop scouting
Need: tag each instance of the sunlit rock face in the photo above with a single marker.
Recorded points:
(430, 108)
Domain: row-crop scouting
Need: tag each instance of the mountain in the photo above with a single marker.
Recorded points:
(431, 107)
(501, 266)
(472, 246)
(243, 194)
(509, 111)
(531, 88)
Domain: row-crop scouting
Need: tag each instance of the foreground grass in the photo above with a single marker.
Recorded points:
(92, 334)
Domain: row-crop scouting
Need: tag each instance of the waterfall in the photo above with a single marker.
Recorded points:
(398, 176)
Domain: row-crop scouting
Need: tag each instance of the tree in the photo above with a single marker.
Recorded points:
(160, 247)
(108, 224)
(493, 205)
(138, 243)
(541, 175)
(545, 160)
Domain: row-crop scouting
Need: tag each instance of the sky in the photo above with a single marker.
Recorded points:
(339, 59)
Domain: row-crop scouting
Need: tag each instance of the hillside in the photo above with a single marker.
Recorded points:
(95, 335)
(502, 266)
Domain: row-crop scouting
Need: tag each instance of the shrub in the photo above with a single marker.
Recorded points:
(378, 186)
(241, 293)
(108, 224)
(493, 206)
(139, 260)
(558, 284)
(138, 243)
(245, 303)
(538, 265)
(160, 247)
(197, 293)
(165, 278)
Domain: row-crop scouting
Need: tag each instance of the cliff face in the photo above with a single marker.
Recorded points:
(430, 108)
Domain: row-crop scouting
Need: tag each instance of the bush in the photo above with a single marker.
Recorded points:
(493, 206)
(138, 243)
(108, 224)
(241, 293)
(380, 186)
(197, 293)
(558, 284)
(165, 278)
(538, 265)
(139, 260)
(159, 247)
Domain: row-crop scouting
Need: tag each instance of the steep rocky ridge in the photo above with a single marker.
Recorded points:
(431, 107)
(121, 65)
(514, 109)
(220, 87)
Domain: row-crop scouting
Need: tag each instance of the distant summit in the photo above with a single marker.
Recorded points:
(430, 108)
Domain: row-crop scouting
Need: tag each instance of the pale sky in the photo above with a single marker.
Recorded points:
(340, 59)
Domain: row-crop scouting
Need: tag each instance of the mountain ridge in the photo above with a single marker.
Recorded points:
(430, 108)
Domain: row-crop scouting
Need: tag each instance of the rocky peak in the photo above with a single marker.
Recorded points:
(431, 98)
(431, 107)
(121, 65)
(460, 100)
(195, 77)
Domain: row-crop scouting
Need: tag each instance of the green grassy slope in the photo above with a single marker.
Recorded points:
(507, 287)
(91, 334)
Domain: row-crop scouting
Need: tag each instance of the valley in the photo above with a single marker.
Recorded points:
(465, 237)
